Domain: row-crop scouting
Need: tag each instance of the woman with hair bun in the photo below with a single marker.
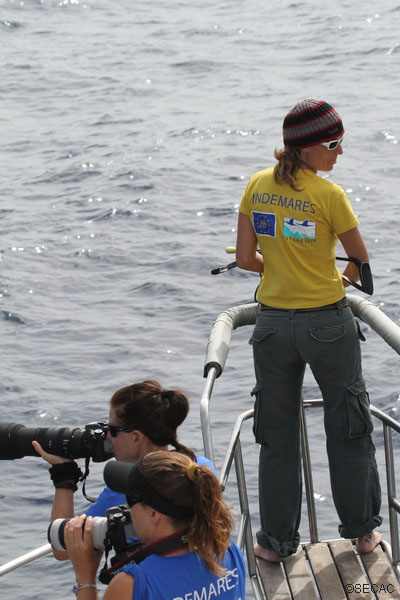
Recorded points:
(143, 418)
(168, 495)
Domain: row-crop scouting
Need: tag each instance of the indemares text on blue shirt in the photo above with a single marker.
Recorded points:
(223, 584)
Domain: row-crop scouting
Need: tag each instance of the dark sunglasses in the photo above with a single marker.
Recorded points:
(114, 429)
(367, 284)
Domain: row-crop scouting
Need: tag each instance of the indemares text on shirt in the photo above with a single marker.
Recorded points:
(223, 584)
(275, 200)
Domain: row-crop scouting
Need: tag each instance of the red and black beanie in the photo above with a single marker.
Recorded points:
(311, 122)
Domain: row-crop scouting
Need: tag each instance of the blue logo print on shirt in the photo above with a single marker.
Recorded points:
(264, 223)
(298, 229)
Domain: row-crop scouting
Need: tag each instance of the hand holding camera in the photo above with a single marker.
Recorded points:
(52, 459)
(78, 536)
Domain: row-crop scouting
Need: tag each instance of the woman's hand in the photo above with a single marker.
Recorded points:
(78, 537)
(52, 459)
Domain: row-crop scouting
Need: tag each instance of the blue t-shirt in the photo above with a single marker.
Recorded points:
(108, 498)
(186, 577)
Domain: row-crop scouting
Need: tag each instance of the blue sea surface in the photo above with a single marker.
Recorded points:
(128, 133)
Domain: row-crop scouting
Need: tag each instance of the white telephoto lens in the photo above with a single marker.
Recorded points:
(55, 533)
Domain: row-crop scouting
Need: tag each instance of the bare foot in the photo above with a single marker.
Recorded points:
(266, 554)
(368, 542)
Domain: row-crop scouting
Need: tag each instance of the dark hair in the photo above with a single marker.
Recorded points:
(154, 411)
(184, 483)
(289, 162)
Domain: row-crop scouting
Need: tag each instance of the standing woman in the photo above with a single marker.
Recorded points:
(168, 495)
(296, 219)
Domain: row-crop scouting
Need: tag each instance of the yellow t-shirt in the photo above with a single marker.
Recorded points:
(297, 235)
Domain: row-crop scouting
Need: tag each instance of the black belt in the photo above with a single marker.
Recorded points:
(343, 303)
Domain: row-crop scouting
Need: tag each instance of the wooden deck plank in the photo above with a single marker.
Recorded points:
(301, 582)
(324, 570)
(337, 571)
(380, 575)
(273, 580)
(354, 581)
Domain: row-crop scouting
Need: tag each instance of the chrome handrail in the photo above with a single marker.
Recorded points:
(25, 559)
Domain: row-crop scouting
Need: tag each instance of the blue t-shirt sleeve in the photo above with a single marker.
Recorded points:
(105, 500)
(139, 588)
(206, 462)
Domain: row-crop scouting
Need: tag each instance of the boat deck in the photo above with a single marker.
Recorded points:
(332, 570)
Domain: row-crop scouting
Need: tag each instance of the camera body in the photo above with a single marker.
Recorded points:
(112, 531)
(68, 442)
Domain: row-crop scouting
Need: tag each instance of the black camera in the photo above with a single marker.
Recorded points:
(68, 442)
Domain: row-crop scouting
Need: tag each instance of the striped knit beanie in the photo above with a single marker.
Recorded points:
(311, 122)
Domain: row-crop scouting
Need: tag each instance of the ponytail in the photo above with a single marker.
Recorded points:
(181, 481)
(289, 162)
(210, 528)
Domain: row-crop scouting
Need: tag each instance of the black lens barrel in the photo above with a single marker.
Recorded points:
(16, 441)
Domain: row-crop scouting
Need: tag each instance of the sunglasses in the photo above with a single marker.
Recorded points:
(367, 284)
(333, 143)
(114, 429)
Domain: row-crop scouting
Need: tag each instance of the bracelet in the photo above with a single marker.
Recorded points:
(80, 586)
(65, 475)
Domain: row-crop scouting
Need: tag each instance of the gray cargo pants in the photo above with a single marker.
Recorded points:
(284, 341)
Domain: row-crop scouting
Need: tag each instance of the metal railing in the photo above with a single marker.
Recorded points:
(25, 559)
(217, 350)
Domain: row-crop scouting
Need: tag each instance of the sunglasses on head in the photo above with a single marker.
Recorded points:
(333, 143)
(114, 429)
(367, 284)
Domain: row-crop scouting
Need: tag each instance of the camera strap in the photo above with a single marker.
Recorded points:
(83, 479)
(160, 547)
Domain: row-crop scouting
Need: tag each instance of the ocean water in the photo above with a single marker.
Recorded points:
(128, 131)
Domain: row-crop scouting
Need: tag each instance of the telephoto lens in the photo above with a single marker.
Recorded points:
(55, 533)
(16, 440)
(68, 442)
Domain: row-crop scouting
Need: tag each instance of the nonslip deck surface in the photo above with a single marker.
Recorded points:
(330, 571)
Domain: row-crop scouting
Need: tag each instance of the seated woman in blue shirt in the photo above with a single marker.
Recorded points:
(168, 494)
(143, 418)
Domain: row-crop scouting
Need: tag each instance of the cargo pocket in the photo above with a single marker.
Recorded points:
(328, 334)
(358, 413)
(259, 424)
(267, 416)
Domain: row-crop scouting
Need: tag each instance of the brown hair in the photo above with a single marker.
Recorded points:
(181, 481)
(289, 162)
(154, 411)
